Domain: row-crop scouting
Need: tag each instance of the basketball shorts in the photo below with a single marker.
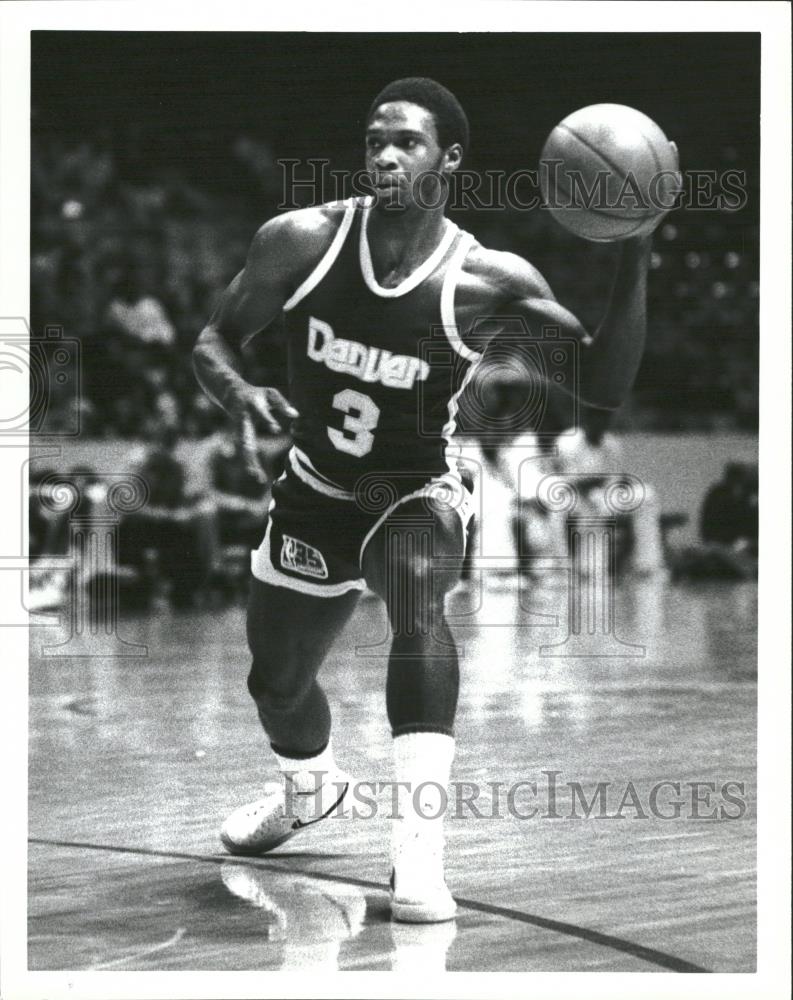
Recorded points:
(316, 534)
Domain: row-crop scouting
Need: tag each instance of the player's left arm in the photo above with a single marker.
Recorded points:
(609, 357)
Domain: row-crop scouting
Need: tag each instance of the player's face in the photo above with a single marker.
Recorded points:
(404, 159)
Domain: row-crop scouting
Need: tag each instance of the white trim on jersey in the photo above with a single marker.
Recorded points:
(412, 280)
(448, 317)
(263, 569)
(451, 424)
(305, 471)
(449, 321)
(452, 479)
(327, 261)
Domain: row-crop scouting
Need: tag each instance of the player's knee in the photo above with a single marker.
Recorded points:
(415, 594)
(410, 578)
(423, 574)
(274, 705)
(274, 700)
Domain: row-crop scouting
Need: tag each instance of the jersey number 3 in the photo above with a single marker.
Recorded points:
(360, 420)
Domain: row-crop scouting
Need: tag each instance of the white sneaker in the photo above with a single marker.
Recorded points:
(419, 894)
(263, 825)
(421, 949)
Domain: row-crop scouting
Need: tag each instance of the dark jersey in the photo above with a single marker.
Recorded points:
(374, 372)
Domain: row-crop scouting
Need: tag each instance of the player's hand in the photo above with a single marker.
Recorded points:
(255, 408)
(269, 409)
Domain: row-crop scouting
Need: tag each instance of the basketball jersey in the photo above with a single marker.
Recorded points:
(375, 373)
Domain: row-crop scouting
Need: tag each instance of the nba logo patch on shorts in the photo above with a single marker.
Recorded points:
(303, 558)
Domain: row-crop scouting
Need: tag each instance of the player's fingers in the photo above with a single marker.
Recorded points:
(265, 415)
(673, 147)
(281, 404)
(250, 449)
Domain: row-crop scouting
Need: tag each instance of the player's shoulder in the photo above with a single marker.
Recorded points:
(301, 235)
(314, 225)
(508, 275)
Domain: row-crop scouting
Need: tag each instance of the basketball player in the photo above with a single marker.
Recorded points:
(362, 285)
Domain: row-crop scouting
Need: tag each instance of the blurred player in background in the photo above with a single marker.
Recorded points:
(509, 467)
(591, 453)
(362, 284)
(728, 529)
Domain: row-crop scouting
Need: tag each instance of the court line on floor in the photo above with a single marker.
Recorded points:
(651, 955)
(113, 963)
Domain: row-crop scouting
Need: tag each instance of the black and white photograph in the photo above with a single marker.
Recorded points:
(395, 427)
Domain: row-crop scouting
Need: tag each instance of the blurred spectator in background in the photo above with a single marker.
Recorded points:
(48, 535)
(507, 445)
(132, 266)
(53, 499)
(135, 311)
(240, 500)
(48, 532)
(532, 447)
(240, 504)
(172, 540)
(590, 456)
(728, 527)
(729, 511)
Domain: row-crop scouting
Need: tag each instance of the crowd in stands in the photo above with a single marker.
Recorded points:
(132, 265)
(191, 547)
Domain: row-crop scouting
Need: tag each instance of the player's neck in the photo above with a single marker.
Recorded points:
(399, 242)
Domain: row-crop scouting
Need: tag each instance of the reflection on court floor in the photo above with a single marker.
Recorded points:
(134, 763)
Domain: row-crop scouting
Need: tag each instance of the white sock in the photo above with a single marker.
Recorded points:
(423, 761)
(308, 773)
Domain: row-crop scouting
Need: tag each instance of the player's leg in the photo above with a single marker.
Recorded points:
(412, 560)
(304, 588)
(289, 634)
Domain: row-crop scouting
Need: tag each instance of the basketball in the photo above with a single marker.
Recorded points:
(608, 172)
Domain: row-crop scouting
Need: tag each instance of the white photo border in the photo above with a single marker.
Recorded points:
(772, 20)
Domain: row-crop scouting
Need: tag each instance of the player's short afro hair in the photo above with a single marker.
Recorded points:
(450, 119)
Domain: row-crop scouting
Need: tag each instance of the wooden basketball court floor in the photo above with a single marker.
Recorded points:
(134, 762)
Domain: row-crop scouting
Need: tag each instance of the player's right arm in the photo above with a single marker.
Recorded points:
(283, 252)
